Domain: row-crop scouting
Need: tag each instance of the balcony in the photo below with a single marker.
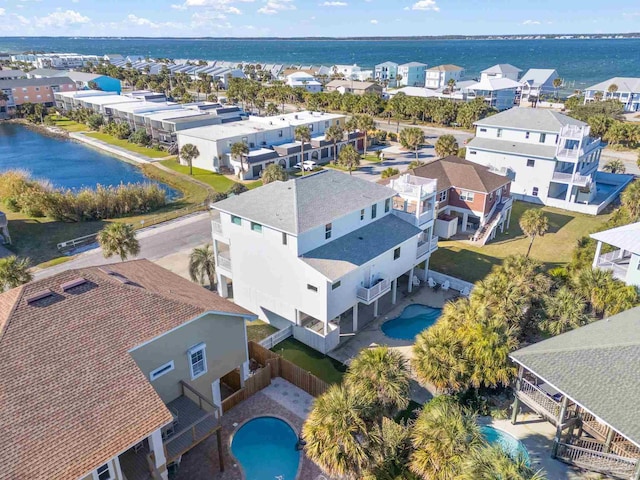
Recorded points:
(568, 177)
(427, 247)
(414, 219)
(414, 186)
(371, 294)
(216, 227)
(617, 262)
(224, 261)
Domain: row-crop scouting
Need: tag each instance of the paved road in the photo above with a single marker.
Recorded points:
(630, 159)
(431, 133)
(155, 242)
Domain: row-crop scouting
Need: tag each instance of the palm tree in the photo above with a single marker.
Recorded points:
(533, 223)
(446, 145)
(557, 83)
(451, 84)
(492, 462)
(389, 172)
(118, 239)
(302, 134)
(630, 200)
(615, 166)
(14, 272)
(349, 158)
(188, 153)
(238, 151)
(365, 123)
(202, 263)
(337, 436)
(411, 138)
(613, 88)
(415, 164)
(272, 109)
(443, 436)
(381, 376)
(565, 311)
(274, 172)
(334, 134)
(593, 284)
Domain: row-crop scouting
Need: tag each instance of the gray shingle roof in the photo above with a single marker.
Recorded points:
(345, 254)
(502, 68)
(626, 237)
(34, 82)
(624, 84)
(306, 202)
(531, 119)
(511, 147)
(597, 366)
(536, 77)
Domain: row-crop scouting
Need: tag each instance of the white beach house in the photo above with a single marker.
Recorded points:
(304, 80)
(412, 74)
(438, 77)
(498, 92)
(317, 253)
(501, 70)
(536, 82)
(624, 89)
(550, 157)
(624, 261)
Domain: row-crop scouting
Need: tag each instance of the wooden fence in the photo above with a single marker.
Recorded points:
(256, 382)
(232, 380)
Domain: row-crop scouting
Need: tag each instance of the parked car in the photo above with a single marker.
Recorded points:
(308, 165)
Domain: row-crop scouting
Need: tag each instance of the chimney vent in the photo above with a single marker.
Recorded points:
(39, 296)
(76, 282)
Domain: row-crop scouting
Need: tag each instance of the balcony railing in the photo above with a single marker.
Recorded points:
(606, 463)
(425, 247)
(224, 262)
(582, 180)
(414, 186)
(433, 245)
(368, 295)
(539, 400)
(216, 227)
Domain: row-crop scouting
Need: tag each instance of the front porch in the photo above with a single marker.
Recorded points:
(581, 439)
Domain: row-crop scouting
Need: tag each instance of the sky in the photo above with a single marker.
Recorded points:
(313, 18)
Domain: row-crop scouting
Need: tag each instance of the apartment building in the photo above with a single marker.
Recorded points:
(412, 74)
(36, 90)
(270, 140)
(551, 158)
(624, 89)
(386, 73)
(319, 252)
(439, 76)
(105, 370)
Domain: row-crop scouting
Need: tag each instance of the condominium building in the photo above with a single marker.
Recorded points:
(34, 90)
(319, 252)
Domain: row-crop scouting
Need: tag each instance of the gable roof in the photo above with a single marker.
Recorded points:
(445, 68)
(626, 237)
(454, 171)
(532, 119)
(303, 203)
(597, 367)
(537, 150)
(493, 84)
(72, 396)
(352, 84)
(537, 77)
(502, 68)
(624, 84)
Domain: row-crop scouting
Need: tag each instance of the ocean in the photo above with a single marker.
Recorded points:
(579, 62)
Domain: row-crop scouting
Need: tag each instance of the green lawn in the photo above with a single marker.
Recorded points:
(69, 125)
(326, 368)
(554, 249)
(218, 182)
(252, 185)
(259, 330)
(370, 157)
(149, 152)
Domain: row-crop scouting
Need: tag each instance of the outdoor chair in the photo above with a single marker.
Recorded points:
(446, 285)
(432, 283)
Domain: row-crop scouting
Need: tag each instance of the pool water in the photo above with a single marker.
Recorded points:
(413, 320)
(266, 449)
(509, 443)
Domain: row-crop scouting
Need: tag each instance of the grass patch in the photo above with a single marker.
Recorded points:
(69, 125)
(132, 147)
(369, 157)
(258, 330)
(554, 249)
(326, 368)
(55, 261)
(252, 185)
(218, 182)
(337, 166)
(408, 413)
(192, 192)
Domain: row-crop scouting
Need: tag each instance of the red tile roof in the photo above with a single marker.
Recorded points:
(72, 397)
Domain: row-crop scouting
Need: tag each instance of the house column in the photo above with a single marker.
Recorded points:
(217, 396)
(607, 444)
(516, 402)
(597, 256)
(157, 448)
(410, 288)
(636, 474)
(561, 417)
(465, 218)
(394, 291)
(223, 288)
(375, 308)
(244, 372)
(355, 317)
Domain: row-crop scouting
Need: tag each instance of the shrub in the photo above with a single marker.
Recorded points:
(237, 189)
(140, 137)
(95, 121)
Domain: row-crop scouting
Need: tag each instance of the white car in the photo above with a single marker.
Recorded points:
(308, 165)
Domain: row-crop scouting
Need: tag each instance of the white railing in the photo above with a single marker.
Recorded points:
(368, 295)
(426, 216)
(433, 245)
(540, 398)
(568, 153)
(573, 131)
(454, 283)
(578, 179)
(597, 461)
(414, 219)
(274, 339)
(224, 262)
(216, 227)
(611, 256)
(317, 340)
(414, 186)
(423, 248)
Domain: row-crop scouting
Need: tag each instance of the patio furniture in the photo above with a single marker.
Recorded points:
(446, 285)
(465, 292)
(170, 429)
(432, 283)
(416, 281)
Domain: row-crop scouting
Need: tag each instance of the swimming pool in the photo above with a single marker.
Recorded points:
(509, 443)
(413, 320)
(266, 449)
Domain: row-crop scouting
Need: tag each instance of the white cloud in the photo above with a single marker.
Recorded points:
(374, 21)
(2, 11)
(426, 5)
(140, 21)
(207, 18)
(225, 6)
(334, 4)
(62, 19)
(178, 7)
(274, 6)
(531, 22)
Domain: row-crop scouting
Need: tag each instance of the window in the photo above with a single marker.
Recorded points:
(362, 214)
(387, 205)
(284, 238)
(197, 361)
(312, 288)
(158, 372)
(326, 124)
(104, 472)
(466, 196)
(236, 220)
(531, 163)
(442, 196)
(396, 253)
(374, 210)
(543, 137)
(336, 285)
(483, 130)
(24, 90)
(256, 227)
(472, 152)
(499, 133)
(37, 89)
(280, 133)
(327, 231)
(535, 191)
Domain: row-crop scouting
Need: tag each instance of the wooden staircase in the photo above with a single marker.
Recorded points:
(482, 235)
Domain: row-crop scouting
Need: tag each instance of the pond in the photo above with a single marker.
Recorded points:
(64, 163)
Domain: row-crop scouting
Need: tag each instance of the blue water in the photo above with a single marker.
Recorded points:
(266, 449)
(509, 443)
(64, 163)
(581, 61)
(413, 320)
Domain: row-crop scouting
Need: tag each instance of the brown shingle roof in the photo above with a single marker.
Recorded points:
(72, 397)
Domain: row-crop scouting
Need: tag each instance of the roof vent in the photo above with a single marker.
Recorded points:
(39, 296)
(106, 270)
(122, 279)
(76, 282)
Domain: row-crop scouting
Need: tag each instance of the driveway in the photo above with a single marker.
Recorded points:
(395, 157)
